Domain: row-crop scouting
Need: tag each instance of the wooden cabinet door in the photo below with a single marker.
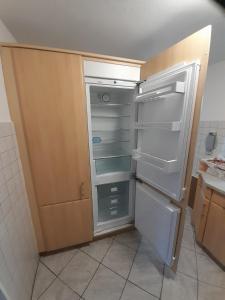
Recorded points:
(200, 211)
(196, 212)
(52, 103)
(201, 221)
(214, 238)
(66, 224)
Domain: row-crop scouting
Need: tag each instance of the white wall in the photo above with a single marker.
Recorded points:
(213, 108)
(18, 250)
(5, 36)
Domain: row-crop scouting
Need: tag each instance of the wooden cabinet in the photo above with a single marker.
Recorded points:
(214, 238)
(66, 224)
(200, 211)
(47, 103)
(208, 218)
(52, 104)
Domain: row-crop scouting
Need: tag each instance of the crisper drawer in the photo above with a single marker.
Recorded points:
(113, 201)
(114, 164)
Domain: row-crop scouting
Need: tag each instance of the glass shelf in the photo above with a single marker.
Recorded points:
(114, 105)
(101, 154)
(109, 116)
(113, 141)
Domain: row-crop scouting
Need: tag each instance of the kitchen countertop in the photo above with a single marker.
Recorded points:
(213, 182)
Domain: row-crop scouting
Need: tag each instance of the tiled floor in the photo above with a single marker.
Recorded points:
(125, 268)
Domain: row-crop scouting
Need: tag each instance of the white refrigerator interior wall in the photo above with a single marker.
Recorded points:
(213, 113)
(18, 251)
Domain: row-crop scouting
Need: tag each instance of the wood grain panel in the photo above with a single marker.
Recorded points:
(194, 47)
(86, 55)
(51, 96)
(219, 199)
(214, 238)
(208, 193)
(67, 224)
(15, 112)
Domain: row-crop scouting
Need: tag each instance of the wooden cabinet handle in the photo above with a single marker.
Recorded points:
(81, 190)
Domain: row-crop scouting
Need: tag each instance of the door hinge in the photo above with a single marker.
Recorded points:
(139, 180)
(140, 82)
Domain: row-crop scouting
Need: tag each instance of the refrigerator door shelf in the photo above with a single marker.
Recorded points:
(157, 93)
(165, 166)
(172, 126)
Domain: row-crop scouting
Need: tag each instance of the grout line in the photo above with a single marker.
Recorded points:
(75, 253)
(35, 276)
(212, 285)
(97, 268)
(164, 268)
(67, 286)
(46, 289)
(140, 288)
(129, 271)
(196, 261)
(90, 281)
(56, 276)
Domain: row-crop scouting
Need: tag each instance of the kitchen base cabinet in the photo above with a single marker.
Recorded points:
(208, 218)
(214, 238)
(202, 221)
(66, 224)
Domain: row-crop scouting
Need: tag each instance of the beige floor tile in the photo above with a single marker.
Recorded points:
(57, 262)
(187, 262)
(178, 287)
(188, 239)
(147, 272)
(106, 285)
(79, 272)
(43, 280)
(187, 223)
(132, 292)
(199, 250)
(130, 239)
(98, 249)
(209, 271)
(119, 259)
(59, 291)
(209, 292)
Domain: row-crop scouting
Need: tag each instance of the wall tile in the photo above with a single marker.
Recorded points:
(204, 128)
(18, 251)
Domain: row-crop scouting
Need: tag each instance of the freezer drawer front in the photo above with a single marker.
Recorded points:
(157, 220)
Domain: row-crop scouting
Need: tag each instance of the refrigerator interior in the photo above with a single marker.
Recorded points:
(111, 112)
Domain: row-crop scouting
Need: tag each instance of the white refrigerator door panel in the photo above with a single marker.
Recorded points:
(157, 220)
(165, 109)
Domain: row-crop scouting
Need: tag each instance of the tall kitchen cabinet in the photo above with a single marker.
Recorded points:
(49, 112)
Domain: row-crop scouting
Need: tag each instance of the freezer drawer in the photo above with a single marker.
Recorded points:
(113, 201)
(157, 220)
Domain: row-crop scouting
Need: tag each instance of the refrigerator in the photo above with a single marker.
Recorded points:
(139, 137)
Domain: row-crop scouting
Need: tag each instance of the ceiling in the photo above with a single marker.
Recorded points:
(129, 28)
